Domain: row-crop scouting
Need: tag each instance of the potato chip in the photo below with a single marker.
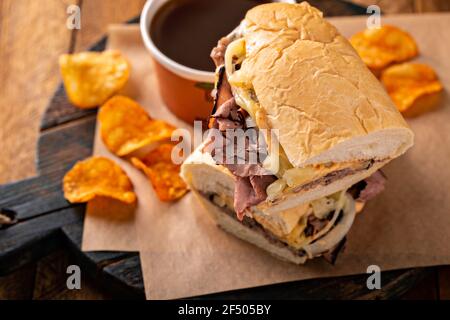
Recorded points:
(381, 47)
(90, 78)
(163, 173)
(126, 127)
(414, 87)
(97, 177)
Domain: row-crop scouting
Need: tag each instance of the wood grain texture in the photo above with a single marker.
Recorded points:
(66, 112)
(51, 280)
(32, 36)
(426, 289)
(27, 241)
(96, 15)
(444, 283)
(18, 285)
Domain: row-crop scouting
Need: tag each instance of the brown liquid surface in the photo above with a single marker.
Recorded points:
(187, 30)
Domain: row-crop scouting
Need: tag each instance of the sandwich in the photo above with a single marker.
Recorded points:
(327, 126)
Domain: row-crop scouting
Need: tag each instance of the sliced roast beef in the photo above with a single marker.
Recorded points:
(332, 255)
(326, 180)
(227, 124)
(369, 188)
(251, 178)
(228, 116)
(374, 185)
(314, 225)
(247, 170)
(250, 191)
(218, 53)
(229, 109)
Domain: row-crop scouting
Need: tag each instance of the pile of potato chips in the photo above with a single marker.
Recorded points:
(381, 47)
(126, 127)
(127, 130)
(414, 87)
(162, 172)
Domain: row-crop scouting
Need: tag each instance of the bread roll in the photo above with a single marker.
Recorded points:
(314, 89)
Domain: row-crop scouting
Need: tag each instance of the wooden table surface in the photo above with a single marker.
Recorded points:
(32, 35)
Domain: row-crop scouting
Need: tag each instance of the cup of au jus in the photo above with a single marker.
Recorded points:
(180, 35)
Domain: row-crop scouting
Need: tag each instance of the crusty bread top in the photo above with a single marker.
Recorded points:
(313, 87)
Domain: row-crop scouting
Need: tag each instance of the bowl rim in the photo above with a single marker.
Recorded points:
(148, 12)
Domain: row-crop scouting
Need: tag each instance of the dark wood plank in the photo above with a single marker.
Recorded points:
(394, 285)
(18, 285)
(125, 278)
(444, 283)
(425, 289)
(51, 277)
(60, 110)
(59, 148)
(32, 239)
(33, 197)
(73, 233)
(37, 196)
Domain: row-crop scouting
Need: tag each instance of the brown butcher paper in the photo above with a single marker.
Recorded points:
(183, 253)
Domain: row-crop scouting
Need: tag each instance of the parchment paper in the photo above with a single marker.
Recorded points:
(113, 230)
(184, 254)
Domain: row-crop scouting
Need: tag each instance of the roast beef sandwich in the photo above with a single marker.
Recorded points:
(286, 77)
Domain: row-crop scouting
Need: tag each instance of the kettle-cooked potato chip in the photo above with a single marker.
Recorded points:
(126, 127)
(97, 177)
(90, 78)
(162, 172)
(381, 47)
(414, 87)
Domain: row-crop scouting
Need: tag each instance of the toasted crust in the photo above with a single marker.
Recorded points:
(315, 90)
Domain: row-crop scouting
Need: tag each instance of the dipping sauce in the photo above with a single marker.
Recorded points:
(187, 30)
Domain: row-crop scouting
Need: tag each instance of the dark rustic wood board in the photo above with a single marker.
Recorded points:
(43, 221)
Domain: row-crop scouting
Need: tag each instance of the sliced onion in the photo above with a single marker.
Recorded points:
(339, 231)
(234, 49)
(339, 205)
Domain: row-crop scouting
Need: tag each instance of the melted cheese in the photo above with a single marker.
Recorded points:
(289, 225)
(297, 237)
(284, 222)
